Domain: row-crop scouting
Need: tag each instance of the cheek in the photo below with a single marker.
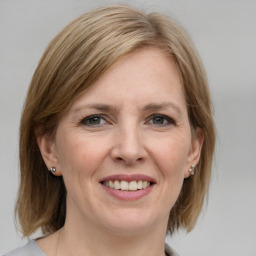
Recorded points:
(80, 155)
(171, 155)
(173, 164)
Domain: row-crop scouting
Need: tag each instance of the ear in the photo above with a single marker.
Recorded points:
(195, 150)
(48, 151)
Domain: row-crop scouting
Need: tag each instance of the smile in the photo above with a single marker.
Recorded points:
(127, 185)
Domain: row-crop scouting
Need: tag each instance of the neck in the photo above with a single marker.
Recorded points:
(90, 240)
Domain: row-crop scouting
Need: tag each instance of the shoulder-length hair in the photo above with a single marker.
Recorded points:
(72, 62)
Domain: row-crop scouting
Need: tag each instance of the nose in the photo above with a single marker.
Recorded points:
(128, 146)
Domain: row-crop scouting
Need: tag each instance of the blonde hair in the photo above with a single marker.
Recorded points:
(72, 62)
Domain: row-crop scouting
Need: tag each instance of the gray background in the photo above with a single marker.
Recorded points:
(225, 35)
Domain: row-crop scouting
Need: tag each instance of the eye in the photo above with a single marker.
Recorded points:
(160, 120)
(94, 120)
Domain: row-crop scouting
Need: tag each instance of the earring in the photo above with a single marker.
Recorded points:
(192, 169)
(53, 169)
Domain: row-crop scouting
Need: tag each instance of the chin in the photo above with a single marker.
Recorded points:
(131, 222)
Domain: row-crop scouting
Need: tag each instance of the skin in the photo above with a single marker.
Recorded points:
(143, 130)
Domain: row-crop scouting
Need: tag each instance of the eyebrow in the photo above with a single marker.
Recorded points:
(164, 105)
(97, 106)
(149, 107)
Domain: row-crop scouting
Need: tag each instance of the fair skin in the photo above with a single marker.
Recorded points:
(130, 126)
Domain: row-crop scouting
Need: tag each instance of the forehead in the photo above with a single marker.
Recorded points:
(147, 75)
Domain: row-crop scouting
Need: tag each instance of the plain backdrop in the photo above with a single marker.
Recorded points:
(225, 35)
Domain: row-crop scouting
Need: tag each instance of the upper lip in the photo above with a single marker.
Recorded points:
(128, 178)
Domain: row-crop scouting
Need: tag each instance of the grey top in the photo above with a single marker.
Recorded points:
(32, 249)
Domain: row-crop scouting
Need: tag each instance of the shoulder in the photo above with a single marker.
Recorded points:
(30, 249)
(169, 251)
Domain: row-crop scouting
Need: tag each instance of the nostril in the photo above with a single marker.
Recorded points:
(128, 153)
(129, 160)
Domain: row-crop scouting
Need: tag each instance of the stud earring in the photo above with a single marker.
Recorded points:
(52, 169)
(192, 170)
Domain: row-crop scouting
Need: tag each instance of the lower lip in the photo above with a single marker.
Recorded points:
(128, 195)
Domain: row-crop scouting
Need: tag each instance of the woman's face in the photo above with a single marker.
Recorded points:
(125, 146)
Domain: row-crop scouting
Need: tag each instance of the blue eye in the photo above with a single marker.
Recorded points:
(93, 120)
(160, 120)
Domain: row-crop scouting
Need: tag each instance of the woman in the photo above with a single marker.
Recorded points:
(116, 137)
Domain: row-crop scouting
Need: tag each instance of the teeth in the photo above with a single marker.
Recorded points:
(127, 186)
(139, 184)
(111, 184)
(133, 185)
(144, 184)
(124, 185)
(116, 184)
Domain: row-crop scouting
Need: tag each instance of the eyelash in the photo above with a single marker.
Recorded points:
(87, 119)
(100, 117)
(167, 119)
